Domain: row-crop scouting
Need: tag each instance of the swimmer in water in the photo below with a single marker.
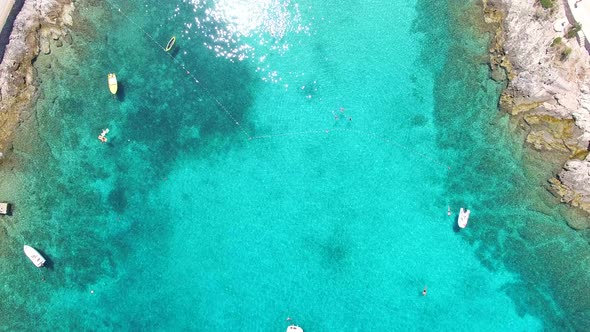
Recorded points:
(449, 211)
(424, 291)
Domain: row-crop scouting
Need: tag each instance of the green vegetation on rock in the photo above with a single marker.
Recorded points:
(565, 53)
(547, 3)
(571, 33)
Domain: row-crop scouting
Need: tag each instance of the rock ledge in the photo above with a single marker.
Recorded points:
(548, 87)
(38, 23)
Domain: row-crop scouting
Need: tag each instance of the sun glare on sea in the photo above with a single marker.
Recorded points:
(246, 29)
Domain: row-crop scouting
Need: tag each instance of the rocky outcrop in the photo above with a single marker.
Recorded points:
(38, 23)
(574, 184)
(549, 133)
(541, 73)
(548, 89)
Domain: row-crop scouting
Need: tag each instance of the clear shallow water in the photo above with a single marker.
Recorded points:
(187, 220)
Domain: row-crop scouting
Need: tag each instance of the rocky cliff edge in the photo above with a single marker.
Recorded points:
(548, 87)
(37, 24)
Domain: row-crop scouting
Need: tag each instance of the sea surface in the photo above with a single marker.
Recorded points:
(285, 160)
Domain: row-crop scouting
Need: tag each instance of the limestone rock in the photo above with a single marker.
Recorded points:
(543, 141)
(576, 175)
(44, 45)
(498, 74)
(557, 90)
(574, 184)
(38, 22)
(567, 100)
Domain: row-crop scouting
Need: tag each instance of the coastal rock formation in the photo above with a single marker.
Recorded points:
(37, 23)
(575, 178)
(540, 75)
(548, 89)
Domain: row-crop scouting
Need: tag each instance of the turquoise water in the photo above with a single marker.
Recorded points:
(301, 168)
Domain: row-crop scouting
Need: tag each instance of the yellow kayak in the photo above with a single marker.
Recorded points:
(113, 83)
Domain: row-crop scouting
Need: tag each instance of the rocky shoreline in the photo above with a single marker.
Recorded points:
(39, 25)
(548, 90)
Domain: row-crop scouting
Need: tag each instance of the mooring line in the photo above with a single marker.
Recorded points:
(250, 137)
(188, 72)
(295, 133)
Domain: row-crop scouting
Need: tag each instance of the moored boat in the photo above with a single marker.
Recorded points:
(294, 328)
(34, 256)
(170, 43)
(463, 217)
(113, 85)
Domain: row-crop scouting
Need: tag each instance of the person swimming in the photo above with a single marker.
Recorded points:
(424, 291)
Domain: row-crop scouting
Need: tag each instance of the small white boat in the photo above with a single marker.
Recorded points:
(113, 85)
(294, 328)
(463, 217)
(34, 256)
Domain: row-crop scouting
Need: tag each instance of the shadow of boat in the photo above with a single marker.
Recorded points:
(174, 51)
(120, 95)
(456, 227)
(48, 261)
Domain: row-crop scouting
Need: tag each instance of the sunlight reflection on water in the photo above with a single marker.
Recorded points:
(247, 29)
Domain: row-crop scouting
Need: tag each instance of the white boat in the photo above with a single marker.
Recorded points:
(113, 85)
(34, 256)
(294, 328)
(463, 217)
